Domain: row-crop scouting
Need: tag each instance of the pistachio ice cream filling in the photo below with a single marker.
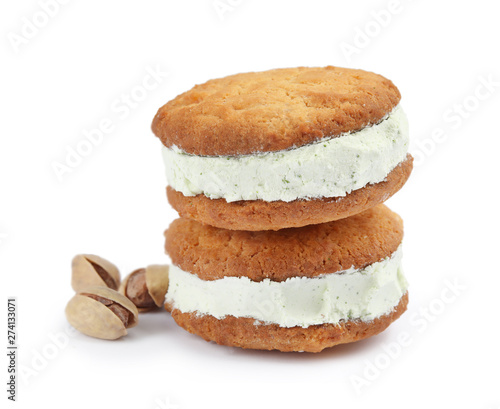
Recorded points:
(332, 167)
(353, 294)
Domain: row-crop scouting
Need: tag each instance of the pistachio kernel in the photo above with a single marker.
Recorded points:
(137, 290)
(105, 275)
(121, 312)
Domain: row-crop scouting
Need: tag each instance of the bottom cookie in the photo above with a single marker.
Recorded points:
(250, 334)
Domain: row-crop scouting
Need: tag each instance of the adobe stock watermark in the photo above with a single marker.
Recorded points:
(121, 107)
(273, 305)
(453, 118)
(267, 308)
(366, 33)
(42, 357)
(31, 26)
(3, 237)
(420, 321)
(165, 403)
(225, 7)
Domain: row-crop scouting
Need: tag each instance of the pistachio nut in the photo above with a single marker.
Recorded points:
(101, 312)
(146, 287)
(89, 270)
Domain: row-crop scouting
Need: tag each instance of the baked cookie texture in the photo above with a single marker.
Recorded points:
(213, 253)
(321, 246)
(244, 333)
(273, 110)
(258, 215)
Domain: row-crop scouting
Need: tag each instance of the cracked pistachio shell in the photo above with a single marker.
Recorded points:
(89, 270)
(95, 319)
(156, 282)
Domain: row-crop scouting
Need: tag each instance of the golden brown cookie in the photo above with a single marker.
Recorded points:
(273, 110)
(297, 289)
(311, 251)
(243, 333)
(284, 148)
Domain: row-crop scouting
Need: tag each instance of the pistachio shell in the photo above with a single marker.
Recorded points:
(123, 284)
(157, 282)
(93, 318)
(90, 270)
(118, 298)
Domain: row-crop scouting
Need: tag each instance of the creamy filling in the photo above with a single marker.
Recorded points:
(332, 167)
(363, 294)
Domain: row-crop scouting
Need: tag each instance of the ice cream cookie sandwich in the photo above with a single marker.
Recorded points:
(297, 289)
(284, 148)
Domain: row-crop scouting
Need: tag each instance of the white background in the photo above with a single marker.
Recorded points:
(71, 72)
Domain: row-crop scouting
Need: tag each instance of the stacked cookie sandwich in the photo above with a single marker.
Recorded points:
(279, 178)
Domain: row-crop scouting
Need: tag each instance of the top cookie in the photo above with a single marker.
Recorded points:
(273, 110)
